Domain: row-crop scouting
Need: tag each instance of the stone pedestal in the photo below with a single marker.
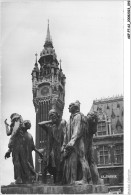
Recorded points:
(53, 189)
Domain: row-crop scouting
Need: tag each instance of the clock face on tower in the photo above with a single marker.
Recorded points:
(45, 91)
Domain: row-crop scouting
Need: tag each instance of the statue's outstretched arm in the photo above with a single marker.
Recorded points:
(8, 131)
(45, 125)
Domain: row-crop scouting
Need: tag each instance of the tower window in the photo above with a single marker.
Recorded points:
(118, 154)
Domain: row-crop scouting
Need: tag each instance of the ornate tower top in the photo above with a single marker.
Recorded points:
(48, 72)
(48, 51)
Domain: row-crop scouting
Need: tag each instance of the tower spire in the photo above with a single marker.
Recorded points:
(48, 37)
(36, 57)
(48, 41)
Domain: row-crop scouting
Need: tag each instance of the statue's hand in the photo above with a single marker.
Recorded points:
(69, 145)
(68, 151)
(6, 122)
(65, 153)
(62, 149)
(7, 154)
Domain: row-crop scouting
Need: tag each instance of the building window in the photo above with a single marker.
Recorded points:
(120, 178)
(118, 153)
(103, 155)
(101, 128)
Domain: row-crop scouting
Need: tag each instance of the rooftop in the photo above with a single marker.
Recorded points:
(108, 99)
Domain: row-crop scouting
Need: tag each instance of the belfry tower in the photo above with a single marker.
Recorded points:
(48, 86)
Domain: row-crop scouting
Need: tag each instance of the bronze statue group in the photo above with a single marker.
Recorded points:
(70, 155)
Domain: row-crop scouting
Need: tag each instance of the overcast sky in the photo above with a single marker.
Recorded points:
(87, 37)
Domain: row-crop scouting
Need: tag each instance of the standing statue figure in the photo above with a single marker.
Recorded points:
(76, 167)
(92, 119)
(55, 129)
(21, 145)
(15, 129)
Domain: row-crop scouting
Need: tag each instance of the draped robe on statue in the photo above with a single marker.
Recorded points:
(22, 157)
(55, 133)
(76, 165)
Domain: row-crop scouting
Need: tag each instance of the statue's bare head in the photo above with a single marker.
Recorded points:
(27, 124)
(14, 118)
(74, 107)
(54, 116)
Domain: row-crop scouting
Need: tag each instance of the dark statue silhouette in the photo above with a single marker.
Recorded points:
(69, 157)
(21, 145)
(79, 166)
